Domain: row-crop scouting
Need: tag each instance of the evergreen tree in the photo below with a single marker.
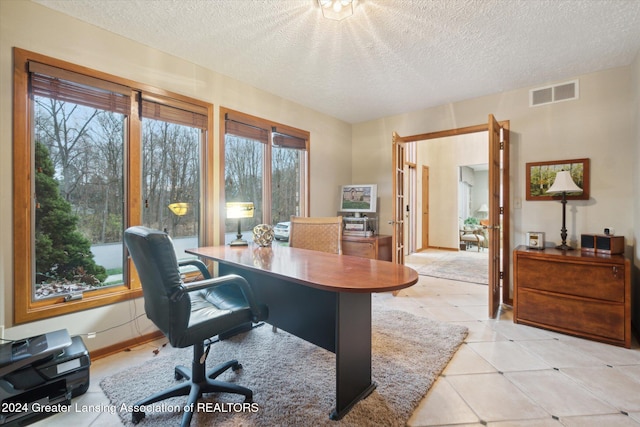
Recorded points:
(62, 252)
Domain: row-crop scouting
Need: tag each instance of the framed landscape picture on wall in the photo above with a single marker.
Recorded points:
(540, 176)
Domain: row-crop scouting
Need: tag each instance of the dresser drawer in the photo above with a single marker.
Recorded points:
(572, 314)
(600, 281)
(575, 292)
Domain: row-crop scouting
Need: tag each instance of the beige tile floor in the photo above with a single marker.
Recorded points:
(503, 374)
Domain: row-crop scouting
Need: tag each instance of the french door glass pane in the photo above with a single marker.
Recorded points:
(171, 181)
(286, 173)
(243, 181)
(78, 168)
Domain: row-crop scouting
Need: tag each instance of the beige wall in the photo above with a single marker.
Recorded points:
(33, 27)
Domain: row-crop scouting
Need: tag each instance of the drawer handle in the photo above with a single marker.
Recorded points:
(616, 272)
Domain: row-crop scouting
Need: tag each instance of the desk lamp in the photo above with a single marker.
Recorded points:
(179, 209)
(564, 184)
(239, 210)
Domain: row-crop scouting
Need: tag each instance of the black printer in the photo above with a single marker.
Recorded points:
(39, 376)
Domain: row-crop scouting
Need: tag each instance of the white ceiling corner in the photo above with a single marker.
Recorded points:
(388, 58)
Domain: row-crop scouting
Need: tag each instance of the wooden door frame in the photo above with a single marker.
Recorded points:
(506, 225)
(398, 160)
(425, 203)
(410, 198)
(496, 145)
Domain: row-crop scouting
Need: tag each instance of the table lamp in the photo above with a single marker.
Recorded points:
(239, 210)
(564, 184)
(483, 210)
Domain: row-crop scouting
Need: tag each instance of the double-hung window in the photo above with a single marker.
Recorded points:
(265, 163)
(94, 154)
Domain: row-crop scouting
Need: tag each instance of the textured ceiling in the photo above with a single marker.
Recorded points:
(391, 56)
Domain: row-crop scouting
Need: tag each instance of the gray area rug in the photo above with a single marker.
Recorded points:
(294, 381)
(464, 266)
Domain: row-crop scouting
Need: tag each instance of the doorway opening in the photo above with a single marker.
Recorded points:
(473, 207)
(496, 136)
(452, 186)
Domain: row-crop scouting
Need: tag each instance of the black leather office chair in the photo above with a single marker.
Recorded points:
(190, 313)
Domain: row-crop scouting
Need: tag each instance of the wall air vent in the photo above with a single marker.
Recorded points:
(552, 94)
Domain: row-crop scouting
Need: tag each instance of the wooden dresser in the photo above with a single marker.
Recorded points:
(374, 247)
(574, 292)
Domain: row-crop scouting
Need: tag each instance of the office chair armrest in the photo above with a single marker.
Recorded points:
(241, 282)
(196, 263)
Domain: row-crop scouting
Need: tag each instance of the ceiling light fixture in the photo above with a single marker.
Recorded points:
(336, 9)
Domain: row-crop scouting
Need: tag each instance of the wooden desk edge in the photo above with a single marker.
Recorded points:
(412, 279)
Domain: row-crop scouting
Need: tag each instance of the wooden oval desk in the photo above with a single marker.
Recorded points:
(320, 297)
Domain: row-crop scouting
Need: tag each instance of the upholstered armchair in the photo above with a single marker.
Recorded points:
(473, 235)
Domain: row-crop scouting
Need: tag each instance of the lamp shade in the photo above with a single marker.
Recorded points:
(564, 184)
(239, 209)
(483, 208)
(179, 209)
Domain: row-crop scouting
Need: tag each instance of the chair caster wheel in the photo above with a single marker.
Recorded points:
(136, 417)
(236, 367)
(177, 375)
(248, 399)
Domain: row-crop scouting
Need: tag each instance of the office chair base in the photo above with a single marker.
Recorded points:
(198, 382)
(182, 372)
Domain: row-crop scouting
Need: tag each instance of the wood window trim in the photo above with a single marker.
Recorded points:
(24, 308)
(270, 127)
